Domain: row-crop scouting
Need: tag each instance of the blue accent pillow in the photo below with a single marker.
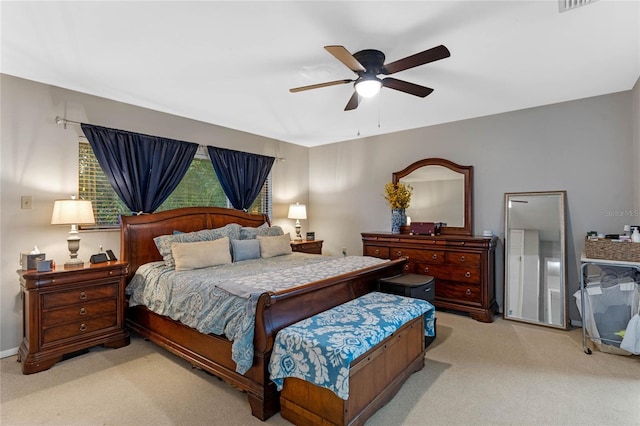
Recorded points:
(245, 249)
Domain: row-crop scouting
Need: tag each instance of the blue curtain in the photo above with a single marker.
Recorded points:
(241, 174)
(143, 170)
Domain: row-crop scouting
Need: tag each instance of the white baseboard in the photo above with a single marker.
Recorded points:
(8, 353)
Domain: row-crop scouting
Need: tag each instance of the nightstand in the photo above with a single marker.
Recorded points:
(68, 310)
(311, 247)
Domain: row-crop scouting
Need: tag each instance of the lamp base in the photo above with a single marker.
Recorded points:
(73, 263)
(298, 236)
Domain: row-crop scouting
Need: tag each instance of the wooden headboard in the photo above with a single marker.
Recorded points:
(137, 232)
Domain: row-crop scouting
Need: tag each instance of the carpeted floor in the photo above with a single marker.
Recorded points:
(503, 373)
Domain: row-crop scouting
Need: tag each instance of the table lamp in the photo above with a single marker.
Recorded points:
(297, 211)
(73, 212)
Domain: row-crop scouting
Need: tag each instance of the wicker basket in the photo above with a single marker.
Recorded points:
(625, 251)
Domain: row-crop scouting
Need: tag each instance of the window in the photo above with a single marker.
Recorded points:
(199, 187)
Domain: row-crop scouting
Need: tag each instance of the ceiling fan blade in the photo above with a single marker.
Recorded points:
(353, 102)
(345, 57)
(430, 55)
(405, 86)
(317, 86)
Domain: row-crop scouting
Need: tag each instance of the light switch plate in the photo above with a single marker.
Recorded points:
(25, 202)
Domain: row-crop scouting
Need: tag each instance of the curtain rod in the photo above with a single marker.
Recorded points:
(64, 122)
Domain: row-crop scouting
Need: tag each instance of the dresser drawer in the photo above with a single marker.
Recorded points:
(431, 256)
(458, 292)
(467, 275)
(78, 328)
(471, 260)
(438, 271)
(80, 295)
(80, 312)
(452, 273)
(377, 251)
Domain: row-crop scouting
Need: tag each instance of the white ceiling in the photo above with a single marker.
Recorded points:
(232, 63)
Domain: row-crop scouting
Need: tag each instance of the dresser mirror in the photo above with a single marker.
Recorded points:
(535, 258)
(442, 192)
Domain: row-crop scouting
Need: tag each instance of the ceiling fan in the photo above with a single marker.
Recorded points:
(369, 63)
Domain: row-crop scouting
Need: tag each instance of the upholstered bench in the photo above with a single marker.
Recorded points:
(340, 366)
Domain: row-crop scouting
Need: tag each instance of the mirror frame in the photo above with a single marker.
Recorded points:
(466, 171)
(563, 257)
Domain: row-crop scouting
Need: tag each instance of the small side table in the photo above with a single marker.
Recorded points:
(311, 247)
(68, 310)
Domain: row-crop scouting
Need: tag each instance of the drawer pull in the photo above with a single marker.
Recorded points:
(377, 251)
(83, 311)
(83, 327)
(399, 252)
(53, 280)
(426, 269)
(462, 243)
(427, 290)
(468, 292)
(434, 256)
(462, 259)
(406, 267)
(83, 295)
(110, 272)
(467, 274)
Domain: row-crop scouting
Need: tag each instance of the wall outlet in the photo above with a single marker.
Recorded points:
(25, 202)
(344, 251)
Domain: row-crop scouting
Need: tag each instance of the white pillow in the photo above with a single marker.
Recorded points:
(201, 254)
(274, 246)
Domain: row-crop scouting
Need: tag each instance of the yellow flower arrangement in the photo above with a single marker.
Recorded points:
(398, 196)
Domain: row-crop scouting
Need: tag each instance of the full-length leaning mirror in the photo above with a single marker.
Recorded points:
(442, 192)
(535, 258)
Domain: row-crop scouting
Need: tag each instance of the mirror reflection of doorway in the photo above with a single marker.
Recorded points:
(535, 278)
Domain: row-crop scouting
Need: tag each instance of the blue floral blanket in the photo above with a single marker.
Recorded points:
(321, 348)
(222, 299)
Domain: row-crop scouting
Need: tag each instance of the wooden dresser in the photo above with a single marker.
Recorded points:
(68, 310)
(463, 267)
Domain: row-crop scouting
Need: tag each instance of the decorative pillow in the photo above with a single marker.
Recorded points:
(274, 246)
(201, 254)
(163, 242)
(245, 249)
(248, 233)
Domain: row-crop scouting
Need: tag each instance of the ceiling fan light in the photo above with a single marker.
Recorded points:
(368, 88)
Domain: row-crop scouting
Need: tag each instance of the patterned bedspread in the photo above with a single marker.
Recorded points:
(321, 348)
(222, 299)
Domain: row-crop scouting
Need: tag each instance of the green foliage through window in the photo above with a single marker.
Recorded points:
(199, 187)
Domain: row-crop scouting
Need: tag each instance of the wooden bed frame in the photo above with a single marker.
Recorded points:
(275, 310)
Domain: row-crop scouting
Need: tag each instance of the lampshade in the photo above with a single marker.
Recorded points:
(297, 211)
(368, 87)
(72, 212)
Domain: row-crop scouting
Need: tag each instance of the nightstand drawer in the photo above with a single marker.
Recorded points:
(305, 246)
(86, 275)
(78, 328)
(81, 295)
(83, 312)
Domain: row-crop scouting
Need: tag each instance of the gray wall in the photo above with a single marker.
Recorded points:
(40, 158)
(588, 147)
(585, 147)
